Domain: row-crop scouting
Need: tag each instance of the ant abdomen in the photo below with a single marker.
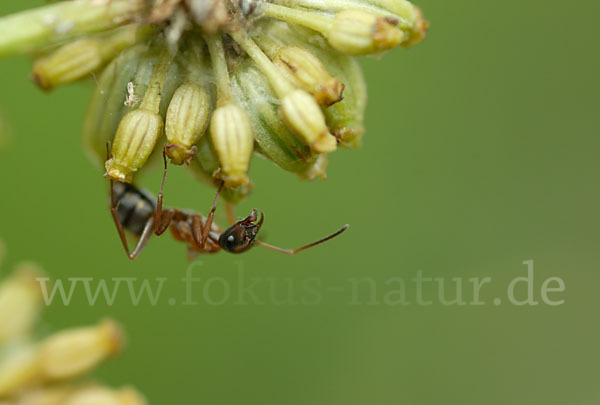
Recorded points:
(134, 207)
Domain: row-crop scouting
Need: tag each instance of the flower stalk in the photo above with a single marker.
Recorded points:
(45, 26)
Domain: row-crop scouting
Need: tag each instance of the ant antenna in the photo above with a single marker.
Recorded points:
(300, 249)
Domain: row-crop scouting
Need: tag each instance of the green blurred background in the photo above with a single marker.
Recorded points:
(481, 153)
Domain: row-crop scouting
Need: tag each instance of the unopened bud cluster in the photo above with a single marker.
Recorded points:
(42, 372)
(214, 81)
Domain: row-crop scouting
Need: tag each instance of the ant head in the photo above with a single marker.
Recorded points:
(241, 236)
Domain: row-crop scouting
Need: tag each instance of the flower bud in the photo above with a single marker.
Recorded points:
(306, 71)
(358, 32)
(73, 352)
(135, 140)
(69, 63)
(106, 108)
(139, 130)
(186, 121)
(19, 369)
(20, 302)
(233, 141)
(77, 59)
(204, 167)
(304, 117)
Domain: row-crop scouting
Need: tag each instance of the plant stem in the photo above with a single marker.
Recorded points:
(279, 83)
(33, 29)
(401, 9)
(220, 70)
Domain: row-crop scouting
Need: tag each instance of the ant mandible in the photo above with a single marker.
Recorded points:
(138, 212)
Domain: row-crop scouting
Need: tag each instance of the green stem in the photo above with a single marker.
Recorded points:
(33, 29)
(401, 9)
(279, 83)
(267, 44)
(151, 100)
(307, 19)
(220, 70)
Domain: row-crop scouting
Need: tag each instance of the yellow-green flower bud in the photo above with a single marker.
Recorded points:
(78, 59)
(107, 107)
(358, 33)
(186, 121)
(19, 369)
(69, 63)
(139, 130)
(306, 71)
(135, 140)
(304, 117)
(73, 352)
(233, 141)
(205, 165)
(20, 302)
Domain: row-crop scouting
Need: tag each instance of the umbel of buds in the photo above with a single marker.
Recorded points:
(213, 82)
(42, 372)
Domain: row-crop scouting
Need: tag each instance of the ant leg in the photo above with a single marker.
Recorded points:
(162, 218)
(146, 234)
(300, 249)
(201, 233)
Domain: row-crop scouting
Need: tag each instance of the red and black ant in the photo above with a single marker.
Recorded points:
(138, 212)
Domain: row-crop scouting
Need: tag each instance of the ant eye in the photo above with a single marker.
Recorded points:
(230, 239)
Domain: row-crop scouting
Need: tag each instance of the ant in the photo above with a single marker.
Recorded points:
(138, 212)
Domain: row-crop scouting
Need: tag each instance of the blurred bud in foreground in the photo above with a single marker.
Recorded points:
(76, 351)
(39, 373)
(19, 369)
(20, 302)
(61, 356)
